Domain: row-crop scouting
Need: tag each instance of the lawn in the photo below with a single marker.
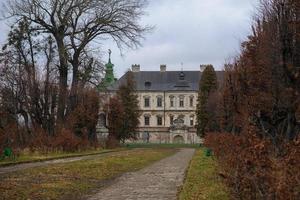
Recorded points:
(76, 179)
(202, 181)
(27, 156)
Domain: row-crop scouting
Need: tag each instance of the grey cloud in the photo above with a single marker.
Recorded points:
(193, 32)
(189, 31)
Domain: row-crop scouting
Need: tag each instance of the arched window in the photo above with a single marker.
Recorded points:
(159, 120)
(181, 101)
(146, 101)
(192, 120)
(147, 120)
(172, 101)
(102, 120)
(191, 101)
(159, 101)
(171, 119)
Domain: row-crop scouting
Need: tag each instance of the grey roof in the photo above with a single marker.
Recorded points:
(166, 81)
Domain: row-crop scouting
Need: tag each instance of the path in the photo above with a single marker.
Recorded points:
(17, 167)
(159, 181)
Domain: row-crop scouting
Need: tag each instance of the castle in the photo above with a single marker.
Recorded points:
(167, 101)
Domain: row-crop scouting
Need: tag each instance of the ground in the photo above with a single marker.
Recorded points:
(202, 181)
(156, 182)
(27, 156)
(72, 180)
(8, 167)
(132, 173)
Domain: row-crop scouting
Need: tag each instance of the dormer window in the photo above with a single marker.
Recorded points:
(147, 85)
(181, 76)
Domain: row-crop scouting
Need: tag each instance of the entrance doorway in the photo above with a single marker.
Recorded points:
(178, 139)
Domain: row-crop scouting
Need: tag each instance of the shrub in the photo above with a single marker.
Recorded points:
(253, 170)
(40, 141)
(65, 140)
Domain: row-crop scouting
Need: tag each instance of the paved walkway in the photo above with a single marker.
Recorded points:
(155, 182)
(17, 167)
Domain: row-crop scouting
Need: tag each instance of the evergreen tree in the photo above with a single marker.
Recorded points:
(207, 86)
(115, 114)
(129, 99)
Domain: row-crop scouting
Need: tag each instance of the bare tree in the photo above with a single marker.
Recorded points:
(76, 23)
(21, 76)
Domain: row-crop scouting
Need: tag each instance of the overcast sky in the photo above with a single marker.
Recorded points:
(191, 32)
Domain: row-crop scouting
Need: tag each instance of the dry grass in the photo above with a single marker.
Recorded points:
(27, 156)
(73, 180)
(202, 181)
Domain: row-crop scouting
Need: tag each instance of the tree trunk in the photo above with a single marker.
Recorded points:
(74, 88)
(63, 79)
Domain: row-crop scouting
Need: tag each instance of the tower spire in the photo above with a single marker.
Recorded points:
(109, 54)
(109, 78)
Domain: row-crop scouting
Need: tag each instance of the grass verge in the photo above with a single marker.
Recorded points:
(76, 179)
(26, 156)
(202, 181)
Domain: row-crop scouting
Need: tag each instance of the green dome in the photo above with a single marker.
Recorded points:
(109, 77)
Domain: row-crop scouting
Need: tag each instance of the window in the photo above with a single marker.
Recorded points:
(192, 120)
(159, 120)
(159, 101)
(181, 101)
(191, 101)
(147, 120)
(147, 102)
(102, 120)
(181, 76)
(171, 101)
(147, 85)
(171, 119)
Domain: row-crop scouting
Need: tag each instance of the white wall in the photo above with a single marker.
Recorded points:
(166, 110)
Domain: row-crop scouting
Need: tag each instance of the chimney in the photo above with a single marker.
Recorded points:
(135, 68)
(202, 67)
(163, 68)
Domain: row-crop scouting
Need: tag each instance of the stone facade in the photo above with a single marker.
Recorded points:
(167, 101)
(157, 119)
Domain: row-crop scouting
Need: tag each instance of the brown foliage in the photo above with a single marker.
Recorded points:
(262, 85)
(12, 137)
(259, 109)
(84, 118)
(66, 140)
(115, 113)
(112, 142)
(251, 168)
(78, 134)
(40, 141)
